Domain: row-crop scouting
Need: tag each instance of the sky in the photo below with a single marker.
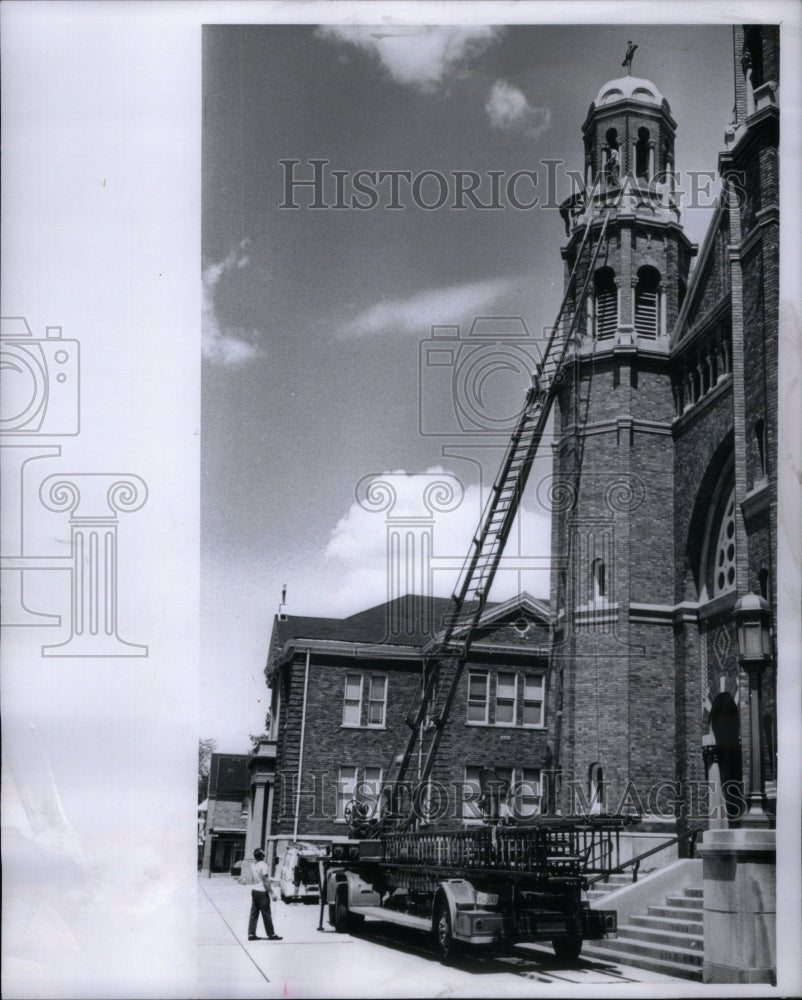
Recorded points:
(318, 375)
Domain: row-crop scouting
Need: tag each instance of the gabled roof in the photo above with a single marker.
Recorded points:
(372, 626)
(364, 626)
(537, 606)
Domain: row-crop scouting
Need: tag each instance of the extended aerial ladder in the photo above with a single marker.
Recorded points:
(498, 881)
(446, 659)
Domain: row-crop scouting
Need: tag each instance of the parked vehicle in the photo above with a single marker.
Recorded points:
(298, 874)
(478, 887)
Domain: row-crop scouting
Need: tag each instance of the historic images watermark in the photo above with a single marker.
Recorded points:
(40, 390)
(325, 796)
(314, 184)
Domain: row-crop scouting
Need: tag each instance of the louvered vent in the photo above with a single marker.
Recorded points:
(646, 314)
(606, 314)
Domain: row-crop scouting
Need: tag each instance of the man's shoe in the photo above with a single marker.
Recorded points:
(253, 937)
(275, 937)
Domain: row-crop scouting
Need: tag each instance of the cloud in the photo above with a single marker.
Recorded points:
(419, 56)
(510, 111)
(358, 544)
(416, 314)
(233, 345)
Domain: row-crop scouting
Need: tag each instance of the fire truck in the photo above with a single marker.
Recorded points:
(504, 881)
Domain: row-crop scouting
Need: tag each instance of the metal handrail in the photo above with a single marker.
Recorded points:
(689, 835)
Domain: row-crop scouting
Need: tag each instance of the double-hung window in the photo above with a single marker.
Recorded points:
(506, 699)
(534, 685)
(365, 701)
(360, 783)
(494, 698)
(514, 792)
(352, 700)
(478, 696)
(528, 793)
(377, 700)
(346, 787)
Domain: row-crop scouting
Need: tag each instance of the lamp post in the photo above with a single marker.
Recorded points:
(752, 622)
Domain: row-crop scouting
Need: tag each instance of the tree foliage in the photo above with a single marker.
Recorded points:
(205, 750)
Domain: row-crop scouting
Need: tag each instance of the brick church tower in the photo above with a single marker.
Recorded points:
(612, 493)
(664, 489)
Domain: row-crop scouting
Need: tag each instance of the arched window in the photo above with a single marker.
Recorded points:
(605, 303)
(717, 566)
(647, 302)
(721, 568)
(724, 568)
(596, 789)
(614, 165)
(642, 154)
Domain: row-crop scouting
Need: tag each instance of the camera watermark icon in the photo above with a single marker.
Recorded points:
(40, 403)
(40, 380)
(474, 381)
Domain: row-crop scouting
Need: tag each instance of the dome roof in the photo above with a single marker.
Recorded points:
(629, 88)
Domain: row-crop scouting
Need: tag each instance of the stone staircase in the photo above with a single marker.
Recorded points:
(668, 938)
(610, 884)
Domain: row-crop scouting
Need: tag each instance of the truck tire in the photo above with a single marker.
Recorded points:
(341, 912)
(567, 947)
(447, 947)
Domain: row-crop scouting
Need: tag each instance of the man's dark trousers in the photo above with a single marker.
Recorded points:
(260, 903)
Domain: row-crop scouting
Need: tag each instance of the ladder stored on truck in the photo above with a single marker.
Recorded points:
(399, 808)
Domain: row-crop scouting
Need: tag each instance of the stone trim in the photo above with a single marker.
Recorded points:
(757, 500)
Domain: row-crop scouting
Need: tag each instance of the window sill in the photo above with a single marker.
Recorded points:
(353, 725)
(505, 725)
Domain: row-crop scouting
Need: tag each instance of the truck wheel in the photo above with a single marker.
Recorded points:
(446, 945)
(341, 913)
(567, 947)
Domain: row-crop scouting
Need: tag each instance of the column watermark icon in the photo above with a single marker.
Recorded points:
(41, 395)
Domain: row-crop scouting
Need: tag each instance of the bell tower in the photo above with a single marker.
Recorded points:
(612, 587)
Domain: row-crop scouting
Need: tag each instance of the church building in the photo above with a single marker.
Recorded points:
(665, 478)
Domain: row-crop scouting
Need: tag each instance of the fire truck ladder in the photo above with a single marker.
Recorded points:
(449, 653)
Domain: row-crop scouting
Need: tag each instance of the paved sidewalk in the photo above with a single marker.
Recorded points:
(385, 962)
(231, 966)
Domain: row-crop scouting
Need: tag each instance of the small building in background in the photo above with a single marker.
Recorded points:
(226, 813)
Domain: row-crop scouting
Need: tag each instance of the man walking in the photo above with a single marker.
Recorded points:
(260, 899)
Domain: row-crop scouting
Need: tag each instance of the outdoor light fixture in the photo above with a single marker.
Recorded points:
(752, 616)
(753, 624)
